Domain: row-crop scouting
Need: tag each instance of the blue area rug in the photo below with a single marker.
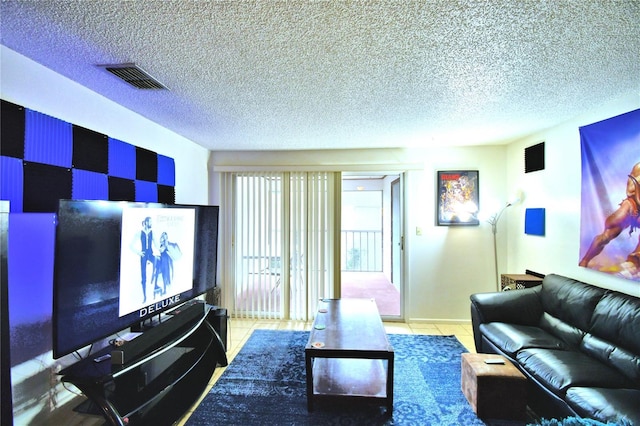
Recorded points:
(265, 385)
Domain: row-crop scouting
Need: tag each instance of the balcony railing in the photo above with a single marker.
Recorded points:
(361, 251)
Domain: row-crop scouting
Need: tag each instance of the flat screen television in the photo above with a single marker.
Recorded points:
(119, 263)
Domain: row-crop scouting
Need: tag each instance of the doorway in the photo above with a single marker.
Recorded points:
(371, 240)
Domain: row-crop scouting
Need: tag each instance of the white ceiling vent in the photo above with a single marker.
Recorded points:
(134, 75)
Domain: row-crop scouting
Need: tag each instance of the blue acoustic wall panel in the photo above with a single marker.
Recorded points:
(11, 182)
(534, 221)
(47, 140)
(88, 185)
(122, 159)
(146, 191)
(166, 170)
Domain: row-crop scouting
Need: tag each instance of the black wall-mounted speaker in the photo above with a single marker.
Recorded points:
(534, 158)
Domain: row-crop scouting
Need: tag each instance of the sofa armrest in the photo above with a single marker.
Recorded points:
(514, 307)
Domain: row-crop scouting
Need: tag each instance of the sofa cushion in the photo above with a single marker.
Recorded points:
(615, 356)
(559, 370)
(621, 406)
(569, 300)
(511, 338)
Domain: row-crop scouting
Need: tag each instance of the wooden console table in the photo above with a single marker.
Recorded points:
(348, 353)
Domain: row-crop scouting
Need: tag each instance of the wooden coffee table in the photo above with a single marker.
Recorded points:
(348, 353)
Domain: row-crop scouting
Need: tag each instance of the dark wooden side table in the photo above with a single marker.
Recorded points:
(518, 281)
(348, 353)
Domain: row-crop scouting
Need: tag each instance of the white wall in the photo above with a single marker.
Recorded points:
(448, 263)
(29, 84)
(444, 265)
(557, 189)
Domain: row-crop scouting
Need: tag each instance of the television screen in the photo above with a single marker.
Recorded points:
(156, 255)
(119, 263)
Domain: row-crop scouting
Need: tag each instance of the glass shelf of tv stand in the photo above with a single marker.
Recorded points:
(178, 368)
(146, 382)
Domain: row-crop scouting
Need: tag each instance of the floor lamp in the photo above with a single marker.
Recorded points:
(493, 221)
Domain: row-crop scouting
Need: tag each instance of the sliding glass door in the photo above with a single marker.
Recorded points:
(281, 258)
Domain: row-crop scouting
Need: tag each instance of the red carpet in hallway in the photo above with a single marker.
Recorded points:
(372, 285)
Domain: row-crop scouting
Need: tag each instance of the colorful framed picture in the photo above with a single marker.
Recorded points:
(458, 198)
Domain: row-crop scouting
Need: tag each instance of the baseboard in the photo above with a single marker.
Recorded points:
(438, 321)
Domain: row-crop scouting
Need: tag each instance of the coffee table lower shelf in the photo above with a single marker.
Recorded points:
(348, 354)
(351, 378)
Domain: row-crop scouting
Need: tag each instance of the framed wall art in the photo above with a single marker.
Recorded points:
(457, 198)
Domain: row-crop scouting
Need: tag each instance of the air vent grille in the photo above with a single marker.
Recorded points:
(135, 76)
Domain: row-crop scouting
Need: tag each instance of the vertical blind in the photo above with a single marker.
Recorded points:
(282, 244)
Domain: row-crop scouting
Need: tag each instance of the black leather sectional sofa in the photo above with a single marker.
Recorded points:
(578, 345)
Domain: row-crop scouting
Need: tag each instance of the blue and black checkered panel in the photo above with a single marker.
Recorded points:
(44, 159)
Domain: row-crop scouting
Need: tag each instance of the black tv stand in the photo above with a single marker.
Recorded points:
(162, 383)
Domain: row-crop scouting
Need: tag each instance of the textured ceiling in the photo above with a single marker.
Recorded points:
(271, 75)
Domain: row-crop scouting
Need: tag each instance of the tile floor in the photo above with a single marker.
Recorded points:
(239, 331)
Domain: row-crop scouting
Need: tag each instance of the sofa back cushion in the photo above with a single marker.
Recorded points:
(614, 336)
(569, 300)
(616, 318)
(617, 357)
(572, 336)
